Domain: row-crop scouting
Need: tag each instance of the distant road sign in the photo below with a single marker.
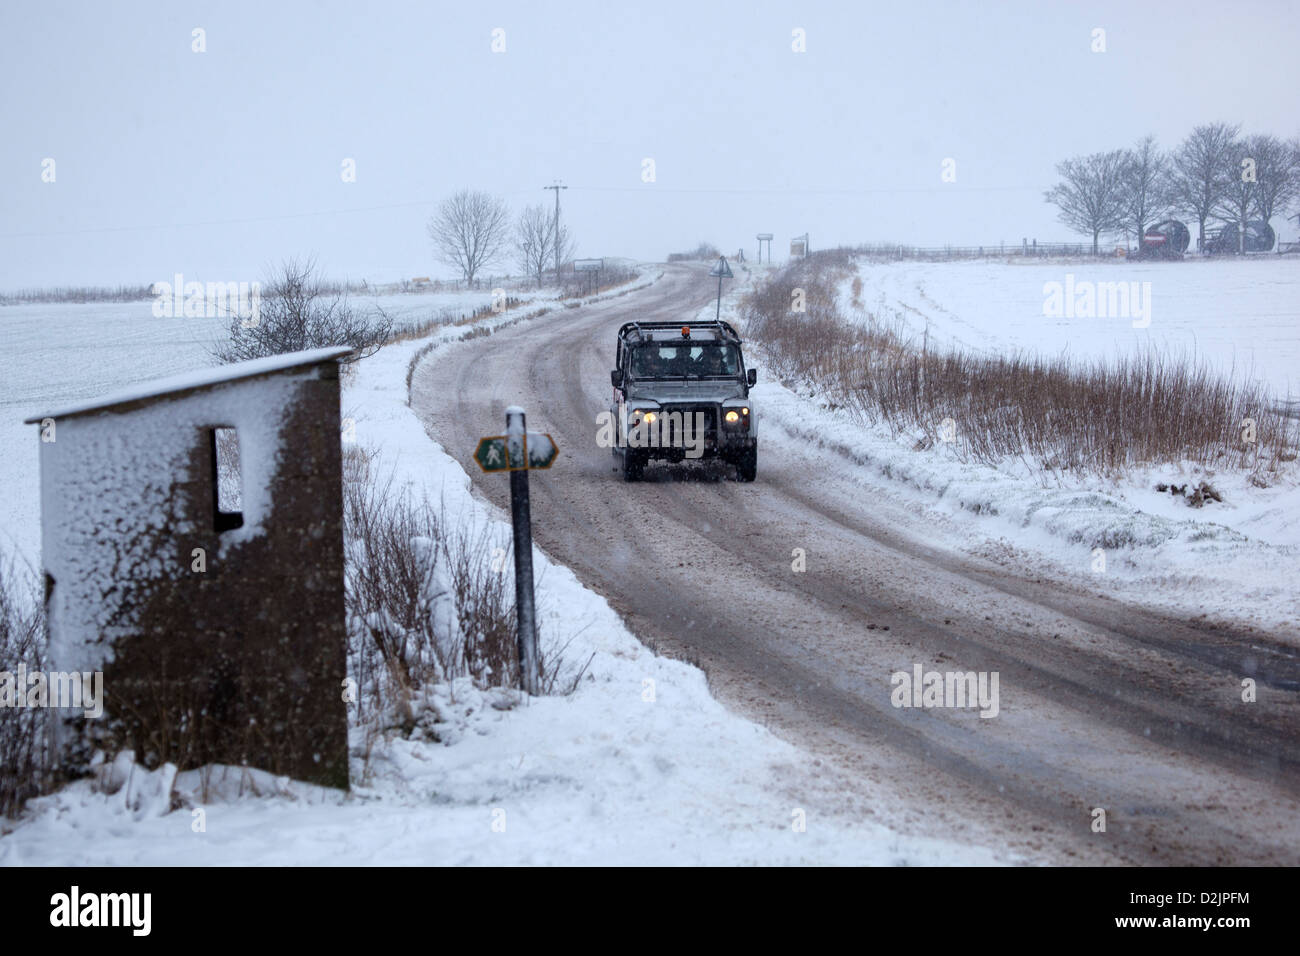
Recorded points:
(764, 236)
(721, 270)
(588, 265)
(540, 450)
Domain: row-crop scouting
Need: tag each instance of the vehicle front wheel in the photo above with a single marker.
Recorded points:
(633, 465)
(747, 465)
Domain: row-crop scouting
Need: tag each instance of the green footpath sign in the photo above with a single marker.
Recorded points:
(540, 451)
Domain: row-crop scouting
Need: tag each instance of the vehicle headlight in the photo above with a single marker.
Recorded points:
(649, 416)
(736, 417)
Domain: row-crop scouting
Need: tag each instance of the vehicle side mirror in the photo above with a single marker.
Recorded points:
(751, 377)
(616, 378)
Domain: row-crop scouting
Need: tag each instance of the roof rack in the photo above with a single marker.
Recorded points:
(641, 328)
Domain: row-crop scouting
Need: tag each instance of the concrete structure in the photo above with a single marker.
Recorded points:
(219, 629)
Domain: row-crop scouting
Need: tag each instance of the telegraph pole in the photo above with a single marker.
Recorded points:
(722, 271)
(557, 187)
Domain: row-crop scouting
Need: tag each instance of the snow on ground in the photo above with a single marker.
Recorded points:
(414, 309)
(1232, 313)
(1234, 561)
(639, 765)
(1158, 551)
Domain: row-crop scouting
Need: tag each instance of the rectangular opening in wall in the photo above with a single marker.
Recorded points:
(227, 488)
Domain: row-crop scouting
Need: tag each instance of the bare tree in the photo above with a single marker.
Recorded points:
(470, 231)
(1145, 185)
(294, 311)
(568, 245)
(1277, 174)
(1295, 199)
(535, 241)
(1091, 199)
(1198, 178)
(1239, 191)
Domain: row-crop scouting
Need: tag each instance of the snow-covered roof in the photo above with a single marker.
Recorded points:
(199, 379)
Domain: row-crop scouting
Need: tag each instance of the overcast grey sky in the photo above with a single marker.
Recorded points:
(214, 164)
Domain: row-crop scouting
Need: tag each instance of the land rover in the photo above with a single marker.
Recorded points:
(681, 393)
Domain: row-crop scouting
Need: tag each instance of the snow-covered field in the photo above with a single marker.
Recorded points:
(639, 765)
(1235, 314)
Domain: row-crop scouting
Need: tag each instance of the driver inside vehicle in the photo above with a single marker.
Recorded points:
(649, 363)
(714, 360)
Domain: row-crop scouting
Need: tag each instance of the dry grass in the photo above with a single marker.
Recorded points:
(24, 764)
(78, 294)
(1057, 414)
(427, 601)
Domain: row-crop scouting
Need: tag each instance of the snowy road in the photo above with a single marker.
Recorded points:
(1101, 705)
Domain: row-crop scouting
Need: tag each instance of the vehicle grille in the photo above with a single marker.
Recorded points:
(687, 413)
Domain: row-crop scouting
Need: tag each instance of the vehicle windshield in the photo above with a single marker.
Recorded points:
(685, 360)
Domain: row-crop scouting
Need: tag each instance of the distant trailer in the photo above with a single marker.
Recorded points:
(1164, 240)
(1227, 241)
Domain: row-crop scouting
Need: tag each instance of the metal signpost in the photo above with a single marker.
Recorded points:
(722, 271)
(519, 451)
(589, 266)
(762, 238)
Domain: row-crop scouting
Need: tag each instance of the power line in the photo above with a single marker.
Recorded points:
(809, 192)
